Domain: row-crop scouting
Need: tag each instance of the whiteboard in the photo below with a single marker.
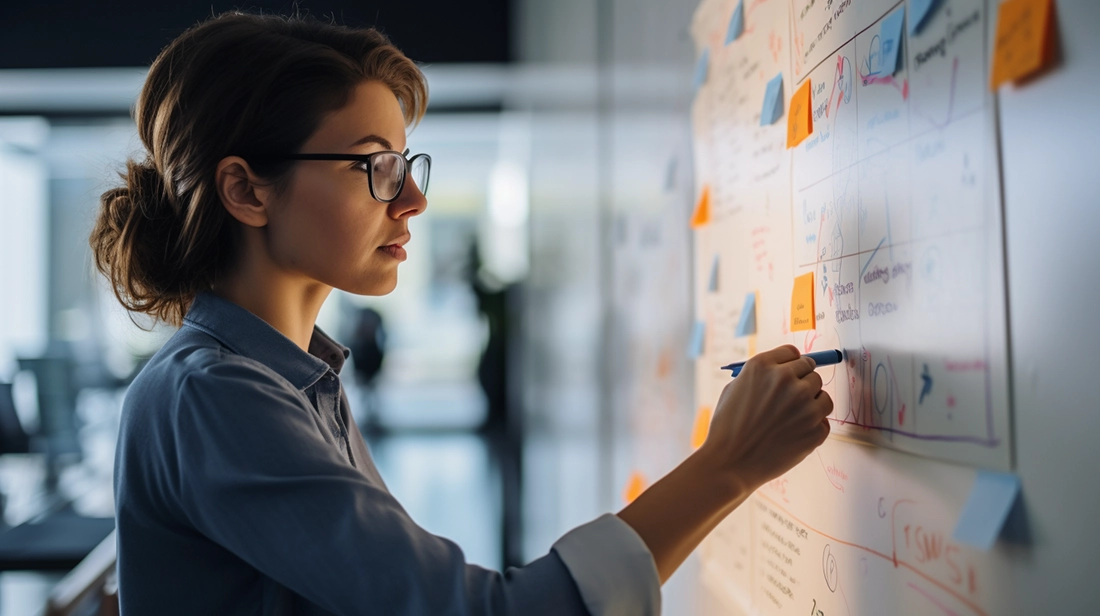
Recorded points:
(893, 203)
(854, 529)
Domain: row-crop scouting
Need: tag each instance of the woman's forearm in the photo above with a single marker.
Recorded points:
(676, 513)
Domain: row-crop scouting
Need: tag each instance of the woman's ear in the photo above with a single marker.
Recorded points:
(242, 193)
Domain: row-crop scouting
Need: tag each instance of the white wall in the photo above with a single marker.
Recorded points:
(23, 236)
(1052, 215)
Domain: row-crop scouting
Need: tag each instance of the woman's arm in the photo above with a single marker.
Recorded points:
(767, 420)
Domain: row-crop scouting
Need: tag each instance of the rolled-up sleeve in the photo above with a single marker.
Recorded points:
(256, 476)
(613, 568)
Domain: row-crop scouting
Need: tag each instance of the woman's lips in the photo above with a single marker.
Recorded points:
(395, 251)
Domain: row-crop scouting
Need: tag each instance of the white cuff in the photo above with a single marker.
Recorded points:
(612, 567)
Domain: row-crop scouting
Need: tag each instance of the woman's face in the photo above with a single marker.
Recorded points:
(326, 225)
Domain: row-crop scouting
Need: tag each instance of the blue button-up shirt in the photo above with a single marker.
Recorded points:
(243, 486)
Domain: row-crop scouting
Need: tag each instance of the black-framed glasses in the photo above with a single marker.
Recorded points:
(386, 170)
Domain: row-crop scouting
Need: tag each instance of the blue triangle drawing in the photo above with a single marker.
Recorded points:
(695, 349)
(702, 67)
(746, 325)
(737, 23)
(773, 101)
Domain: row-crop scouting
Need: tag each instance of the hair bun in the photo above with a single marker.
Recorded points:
(133, 240)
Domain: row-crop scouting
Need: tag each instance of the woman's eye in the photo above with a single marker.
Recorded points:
(362, 166)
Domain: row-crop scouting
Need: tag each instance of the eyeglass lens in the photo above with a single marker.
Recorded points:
(388, 169)
(419, 171)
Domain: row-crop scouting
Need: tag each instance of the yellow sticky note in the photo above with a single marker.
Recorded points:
(701, 427)
(800, 122)
(634, 487)
(802, 304)
(1022, 45)
(701, 217)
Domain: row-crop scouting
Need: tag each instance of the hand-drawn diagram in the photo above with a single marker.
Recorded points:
(893, 204)
(884, 546)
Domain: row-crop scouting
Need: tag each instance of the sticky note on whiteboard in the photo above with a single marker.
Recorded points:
(635, 485)
(889, 36)
(737, 23)
(1022, 45)
(773, 101)
(698, 333)
(919, 10)
(701, 216)
(800, 122)
(987, 508)
(702, 67)
(746, 324)
(701, 427)
(802, 304)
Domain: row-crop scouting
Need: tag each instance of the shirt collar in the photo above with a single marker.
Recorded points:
(248, 335)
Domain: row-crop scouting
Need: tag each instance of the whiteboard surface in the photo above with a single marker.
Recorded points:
(893, 204)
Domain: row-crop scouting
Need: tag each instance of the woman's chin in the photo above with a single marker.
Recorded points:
(377, 285)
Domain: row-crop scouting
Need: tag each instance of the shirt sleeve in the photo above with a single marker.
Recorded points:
(256, 476)
(613, 567)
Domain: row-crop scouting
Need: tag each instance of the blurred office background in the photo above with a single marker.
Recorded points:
(551, 263)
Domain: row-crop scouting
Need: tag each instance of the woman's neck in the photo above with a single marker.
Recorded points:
(289, 303)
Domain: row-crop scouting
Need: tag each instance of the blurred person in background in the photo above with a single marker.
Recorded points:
(367, 343)
(276, 171)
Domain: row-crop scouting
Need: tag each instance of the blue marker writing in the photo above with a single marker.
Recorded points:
(822, 358)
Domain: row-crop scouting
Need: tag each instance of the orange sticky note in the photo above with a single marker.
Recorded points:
(701, 216)
(701, 427)
(1022, 45)
(800, 122)
(802, 304)
(664, 363)
(634, 487)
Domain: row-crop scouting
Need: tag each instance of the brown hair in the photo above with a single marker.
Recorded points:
(237, 84)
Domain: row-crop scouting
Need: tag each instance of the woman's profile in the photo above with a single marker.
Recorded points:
(275, 171)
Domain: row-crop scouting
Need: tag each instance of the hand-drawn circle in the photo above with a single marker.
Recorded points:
(828, 567)
(884, 387)
(843, 78)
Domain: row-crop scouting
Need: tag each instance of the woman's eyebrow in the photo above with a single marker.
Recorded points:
(382, 141)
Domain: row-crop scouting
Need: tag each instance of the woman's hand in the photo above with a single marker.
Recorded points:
(769, 418)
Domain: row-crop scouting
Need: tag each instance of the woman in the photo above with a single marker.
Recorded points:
(275, 172)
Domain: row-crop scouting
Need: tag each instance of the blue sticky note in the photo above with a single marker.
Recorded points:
(695, 349)
(746, 325)
(713, 285)
(701, 69)
(737, 23)
(919, 10)
(773, 101)
(986, 509)
(889, 36)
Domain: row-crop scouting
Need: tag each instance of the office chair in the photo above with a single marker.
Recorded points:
(59, 538)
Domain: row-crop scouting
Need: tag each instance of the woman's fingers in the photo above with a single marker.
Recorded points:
(813, 381)
(824, 404)
(802, 366)
(781, 354)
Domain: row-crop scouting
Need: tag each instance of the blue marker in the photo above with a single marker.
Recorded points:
(822, 358)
